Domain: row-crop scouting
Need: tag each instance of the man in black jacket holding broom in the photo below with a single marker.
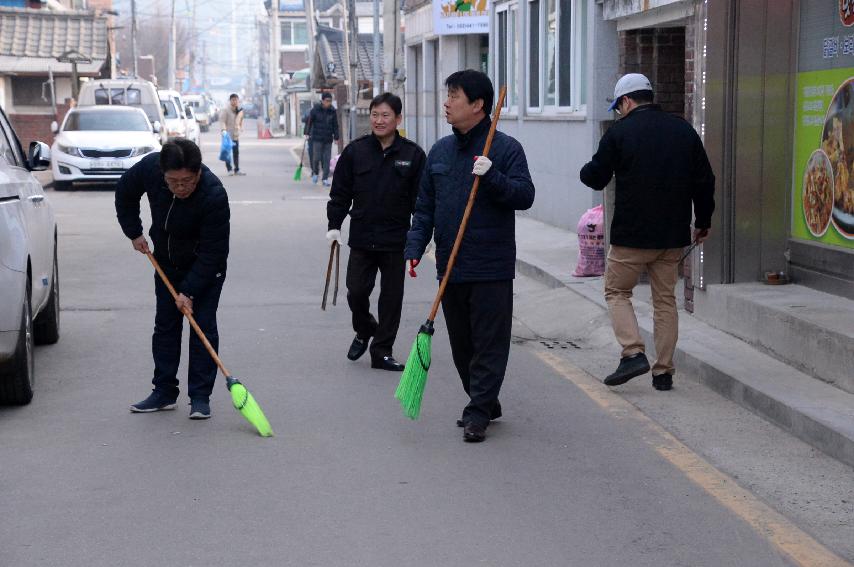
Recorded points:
(376, 183)
(478, 301)
(190, 224)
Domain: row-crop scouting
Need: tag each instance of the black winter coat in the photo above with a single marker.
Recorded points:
(322, 125)
(661, 169)
(488, 250)
(377, 188)
(190, 236)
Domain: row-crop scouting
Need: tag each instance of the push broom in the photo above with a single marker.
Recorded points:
(298, 172)
(240, 396)
(410, 390)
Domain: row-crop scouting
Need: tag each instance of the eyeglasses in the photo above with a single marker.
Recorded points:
(181, 183)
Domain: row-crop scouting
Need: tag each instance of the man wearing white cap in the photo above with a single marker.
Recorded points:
(661, 170)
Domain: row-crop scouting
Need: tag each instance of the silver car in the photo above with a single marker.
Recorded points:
(29, 272)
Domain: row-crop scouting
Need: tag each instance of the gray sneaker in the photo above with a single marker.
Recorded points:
(154, 402)
(200, 409)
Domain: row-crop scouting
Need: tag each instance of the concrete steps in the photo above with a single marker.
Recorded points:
(786, 352)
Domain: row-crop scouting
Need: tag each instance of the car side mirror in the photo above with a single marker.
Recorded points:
(54, 127)
(39, 156)
(156, 127)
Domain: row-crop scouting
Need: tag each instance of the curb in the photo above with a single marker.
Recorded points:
(815, 412)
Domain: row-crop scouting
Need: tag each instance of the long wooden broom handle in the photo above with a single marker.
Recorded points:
(469, 206)
(190, 318)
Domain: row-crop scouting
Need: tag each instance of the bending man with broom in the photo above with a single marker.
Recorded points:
(376, 183)
(190, 223)
(478, 300)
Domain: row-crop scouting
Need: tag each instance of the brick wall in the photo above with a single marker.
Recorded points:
(658, 53)
(36, 127)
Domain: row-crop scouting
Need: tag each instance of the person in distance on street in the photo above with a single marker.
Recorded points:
(321, 130)
(190, 225)
(232, 122)
(661, 171)
(376, 184)
(478, 300)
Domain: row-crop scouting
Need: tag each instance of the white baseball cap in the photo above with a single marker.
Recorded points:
(628, 84)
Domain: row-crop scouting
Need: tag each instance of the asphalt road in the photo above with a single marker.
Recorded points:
(347, 480)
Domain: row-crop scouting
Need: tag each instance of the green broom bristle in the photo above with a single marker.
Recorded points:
(298, 173)
(249, 408)
(410, 390)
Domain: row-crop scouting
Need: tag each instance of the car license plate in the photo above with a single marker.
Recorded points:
(108, 164)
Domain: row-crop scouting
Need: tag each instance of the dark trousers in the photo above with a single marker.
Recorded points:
(321, 153)
(235, 154)
(479, 317)
(361, 277)
(166, 341)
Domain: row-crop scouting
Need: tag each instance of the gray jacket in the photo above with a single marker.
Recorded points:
(232, 122)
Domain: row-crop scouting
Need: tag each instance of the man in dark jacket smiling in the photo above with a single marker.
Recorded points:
(478, 301)
(662, 170)
(376, 183)
(190, 231)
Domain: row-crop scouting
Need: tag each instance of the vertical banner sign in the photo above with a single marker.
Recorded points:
(452, 17)
(823, 185)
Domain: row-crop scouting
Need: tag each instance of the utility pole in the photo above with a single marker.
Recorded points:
(204, 66)
(133, 37)
(193, 43)
(275, 38)
(391, 39)
(377, 77)
(351, 38)
(170, 73)
(311, 31)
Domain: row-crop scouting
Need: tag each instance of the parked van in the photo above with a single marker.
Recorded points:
(125, 92)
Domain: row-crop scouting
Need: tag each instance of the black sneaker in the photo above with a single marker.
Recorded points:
(474, 433)
(358, 348)
(200, 409)
(387, 363)
(493, 415)
(662, 382)
(630, 367)
(154, 402)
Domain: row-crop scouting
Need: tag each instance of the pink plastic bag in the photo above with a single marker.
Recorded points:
(591, 243)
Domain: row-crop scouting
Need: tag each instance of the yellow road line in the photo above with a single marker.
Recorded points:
(790, 540)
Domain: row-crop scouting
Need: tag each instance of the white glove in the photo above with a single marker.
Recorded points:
(481, 165)
(334, 235)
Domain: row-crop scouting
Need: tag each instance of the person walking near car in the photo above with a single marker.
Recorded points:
(661, 170)
(478, 300)
(322, 130)
(232, 122)
(376, 183)
(190, 224)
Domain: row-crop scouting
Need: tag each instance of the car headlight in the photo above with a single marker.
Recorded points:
(70, 150)
(141, 151)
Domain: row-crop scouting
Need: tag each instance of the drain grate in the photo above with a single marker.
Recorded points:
(559, 344)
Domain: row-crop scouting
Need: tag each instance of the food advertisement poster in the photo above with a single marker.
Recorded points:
(823, 184)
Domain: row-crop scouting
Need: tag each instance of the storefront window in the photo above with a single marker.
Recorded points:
(505, 53)
(557, 53)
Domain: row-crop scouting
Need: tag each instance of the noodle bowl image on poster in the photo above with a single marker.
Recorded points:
(837, 142)
(818, 193)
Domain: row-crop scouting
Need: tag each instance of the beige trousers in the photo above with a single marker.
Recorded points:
(625, 266)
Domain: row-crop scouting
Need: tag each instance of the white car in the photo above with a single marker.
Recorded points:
(176, 124)
(29, 272)
(201, 110)
(100, 143)
(194, 131)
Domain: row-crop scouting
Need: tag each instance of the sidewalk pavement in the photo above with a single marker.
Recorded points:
(813, 410)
